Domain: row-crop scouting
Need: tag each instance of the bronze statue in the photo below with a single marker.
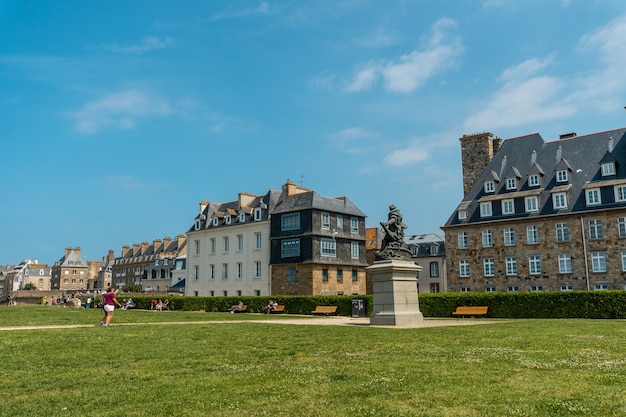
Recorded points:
(393, 246)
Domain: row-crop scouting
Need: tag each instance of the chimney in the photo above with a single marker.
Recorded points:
(289, 188)
(245, 199)
(136, 249)
(181, 246)
(68, 250)
(477, 150)
(125, 250)
(144, 247)
(77, 251)
(157, 245)
(203, 205)
(111, 255)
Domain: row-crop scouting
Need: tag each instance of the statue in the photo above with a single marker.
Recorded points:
(393, 246)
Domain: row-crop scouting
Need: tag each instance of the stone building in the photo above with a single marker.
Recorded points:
(131, 267)
(70, 273)
(317, 244)
(540, 216)
(429, 252)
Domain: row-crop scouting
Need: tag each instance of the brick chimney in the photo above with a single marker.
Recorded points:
(477, 150)
(125, 250)
(68, 250)
(203, 205)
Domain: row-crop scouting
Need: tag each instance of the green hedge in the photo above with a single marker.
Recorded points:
(576, 304)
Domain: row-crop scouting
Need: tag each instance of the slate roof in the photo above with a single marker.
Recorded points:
(312, 200)
(581, 156)
(424, 243)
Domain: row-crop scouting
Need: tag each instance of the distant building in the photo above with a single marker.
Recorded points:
(70, 272)
(540, 216)
(136, 264)
(429, 251)
(317, 244)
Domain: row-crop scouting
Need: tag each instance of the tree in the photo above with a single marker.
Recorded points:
(131, 288)
(30, 286)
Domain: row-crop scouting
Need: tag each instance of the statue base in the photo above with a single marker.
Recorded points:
(395, 294)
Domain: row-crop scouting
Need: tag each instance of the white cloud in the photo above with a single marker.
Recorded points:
(148, 43)
(525, 69)
(411, 70)
(380, 38)
(411, 154)
(352, 140)
(118, 110)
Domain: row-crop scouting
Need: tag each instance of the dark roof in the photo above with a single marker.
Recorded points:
(312, 200)
(581, 156)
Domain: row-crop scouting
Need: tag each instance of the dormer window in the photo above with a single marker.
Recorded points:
(228, 217)
(215, 221)
(561, 175)
(511, 183)
(489, 187)
(462, 215)
(608, 168)
(197, 225)
(257, 214)
(242, 217)
(533, 180)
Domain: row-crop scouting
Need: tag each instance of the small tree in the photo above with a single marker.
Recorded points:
(30, 286)
(131, 288)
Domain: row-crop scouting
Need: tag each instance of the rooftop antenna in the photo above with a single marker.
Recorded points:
(302, 178)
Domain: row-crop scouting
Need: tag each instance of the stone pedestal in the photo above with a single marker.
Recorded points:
(395, 294)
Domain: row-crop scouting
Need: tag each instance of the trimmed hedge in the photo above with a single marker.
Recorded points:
(575, 304)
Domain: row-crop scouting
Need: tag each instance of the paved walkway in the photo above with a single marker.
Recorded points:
(316, 321)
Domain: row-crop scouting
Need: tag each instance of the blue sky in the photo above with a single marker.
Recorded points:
(117, 118)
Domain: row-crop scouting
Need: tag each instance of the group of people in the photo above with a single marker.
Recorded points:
(270, 306)
(159, 305)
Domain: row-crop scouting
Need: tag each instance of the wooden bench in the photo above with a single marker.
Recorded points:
(278, 310)
(235, 308)
(471, 311)
(325, 310)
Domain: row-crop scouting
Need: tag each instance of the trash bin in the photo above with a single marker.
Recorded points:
(358, 308)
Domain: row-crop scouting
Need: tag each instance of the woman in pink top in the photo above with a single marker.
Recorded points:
(109, 306)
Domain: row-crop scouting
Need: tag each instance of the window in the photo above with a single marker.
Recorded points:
(508, 207)
(328, 247)
(434, 287)
(290, 221)
(462, 215)
(485, 209)
(464, 268)
(212, 271)
(536, 288)
(324, 274)
(489, 187)
(325, 220)
(242, 217)
(224, 271)
(593, 197)
(465, 289)
(598, 262)
(228, 218)
(239, 270)
(462, 240)
(226, 244)
(197, 225)
(414, 250)
(487, 238)
(565, 264)
(196, 272)
(532, 235)
(620, 193)
(291, 275)
(490, 289)
(534, 264)
(533, 180)
(621, 226)
(355, 275)
(509, 236)
(354, 225)
(562, 232)
(340, 222)
(340, 275)
(567, 287)
(213, 246)
(289, 248)
(257, 269)
(601, 287)
(240, 242)
(608, 168)
(532, 204)
(259, 240)
(559, 201)
(489, 269)
(354, 250)
(511, 183)
(561, 176)
(197, 243)
(257, 214)
(513, 289)
(511, 265)
(595, 229)
(434, 269)
(434, 249)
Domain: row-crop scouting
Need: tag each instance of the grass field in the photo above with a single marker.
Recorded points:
(231, 367)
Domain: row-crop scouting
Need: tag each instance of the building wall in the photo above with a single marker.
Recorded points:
(309, 280)
(548, 249)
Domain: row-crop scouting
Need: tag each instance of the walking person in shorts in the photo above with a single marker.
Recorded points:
(109, 306)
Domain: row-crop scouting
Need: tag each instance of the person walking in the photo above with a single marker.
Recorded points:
(109, 306)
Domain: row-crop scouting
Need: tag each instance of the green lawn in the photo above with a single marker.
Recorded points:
(513, 368)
